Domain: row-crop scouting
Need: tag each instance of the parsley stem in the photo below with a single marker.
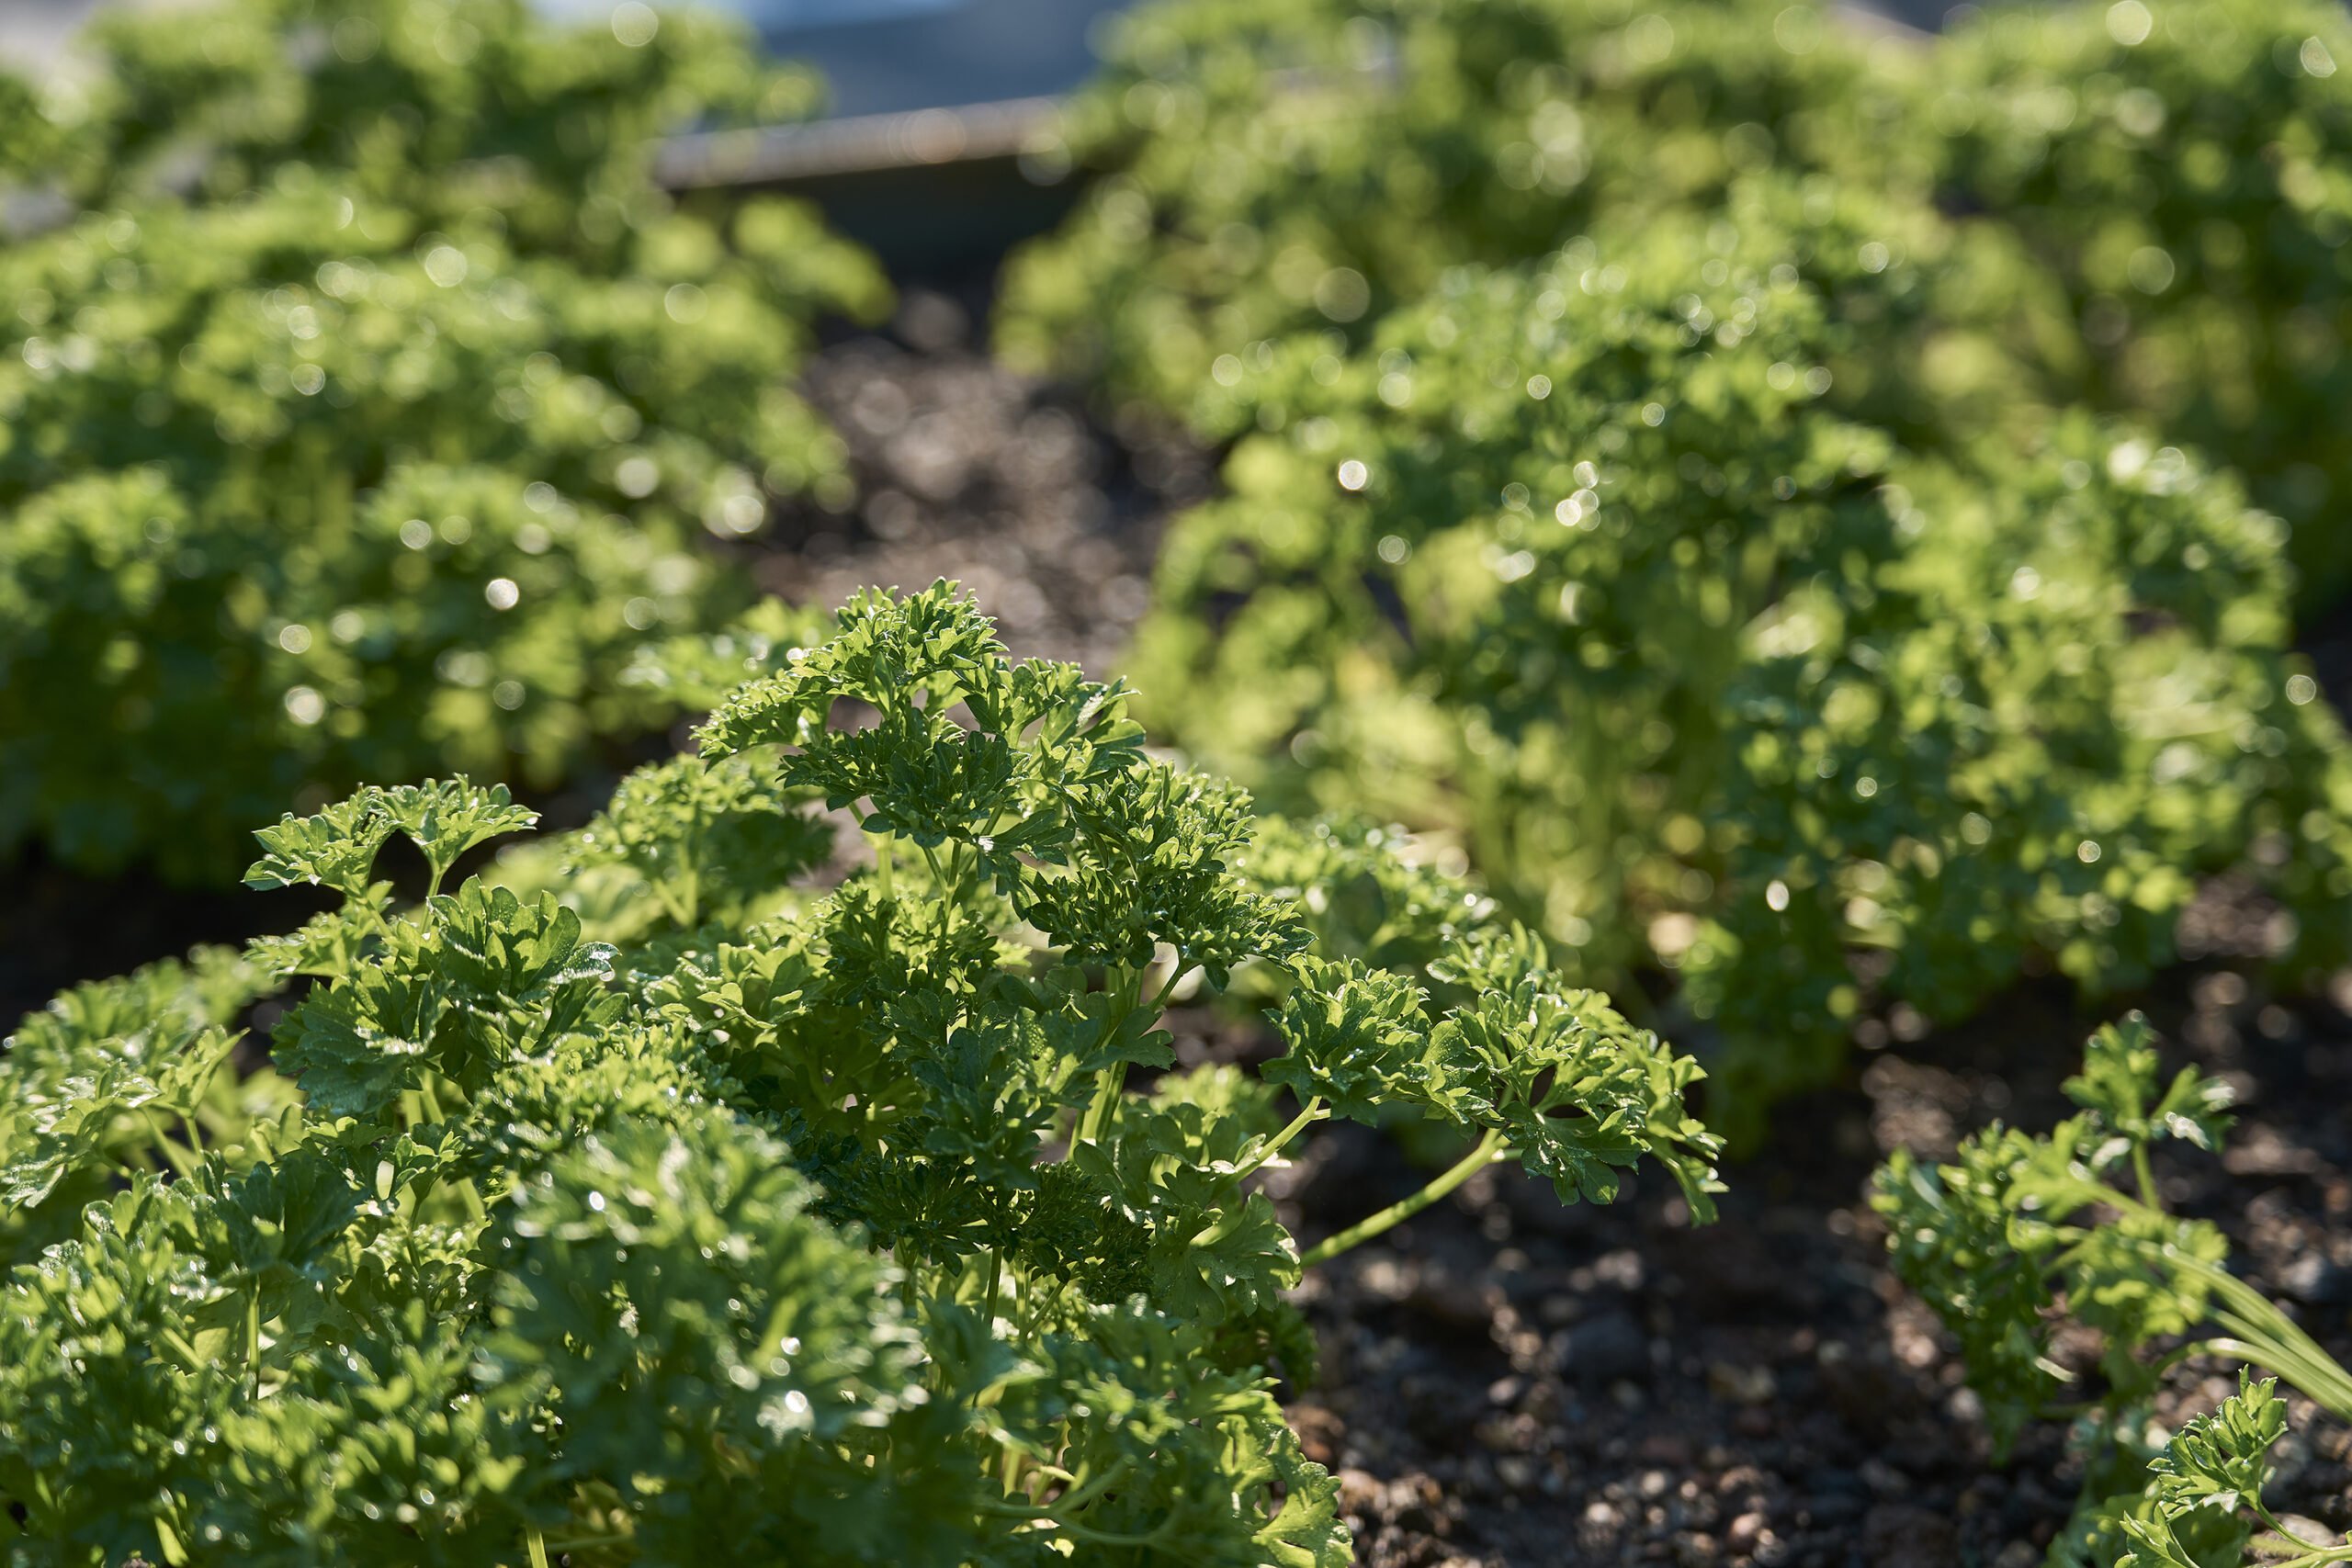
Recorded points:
(996, 1274)
(2268, 1337)
(537, 1545)
(2265, 1335)
(1488, 1150)
(1106, 1093)
(2145, 1177)
(1313, 1112)
(252, 1337)
(1083, 1492)
(1011, 1467)
(1078, 1498)
(180, 1160)
(1177, 970)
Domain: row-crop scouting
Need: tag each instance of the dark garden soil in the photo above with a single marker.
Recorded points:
(1507, 1381)
(963, 469)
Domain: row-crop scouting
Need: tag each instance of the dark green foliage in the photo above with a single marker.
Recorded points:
(2021, 1233)
(643, 1207)
(380, 442)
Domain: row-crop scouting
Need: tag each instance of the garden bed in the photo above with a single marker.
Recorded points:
(1507, 1381)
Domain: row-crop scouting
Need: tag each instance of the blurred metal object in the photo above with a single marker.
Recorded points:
(975, 52)
(857, 144)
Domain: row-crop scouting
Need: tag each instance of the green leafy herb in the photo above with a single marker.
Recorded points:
(824, 1224)
(363, 411)
(1996, 1240)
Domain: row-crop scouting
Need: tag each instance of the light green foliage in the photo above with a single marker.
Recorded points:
(693, 832)
(1510, 1061)
(1575, 563)
(2181, 170)
(1436, 641)
(1960, 1232)
(1359, 893)
(1869, 662)
(2063, 700)
(101, 1080)
(2212, 1466)
(1280, 171)
(362, 417)
(2020, 1233)
(820, 1226)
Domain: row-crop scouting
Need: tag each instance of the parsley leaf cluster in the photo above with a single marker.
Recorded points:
(650, 1197)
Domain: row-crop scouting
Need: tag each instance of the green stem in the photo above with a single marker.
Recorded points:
(2316, 1372)
(537, 1543)
(181, 1347)
(180, 1160)
(2318, 1377)
(1075, 1532)
(1106, 1537)
(579, 1544)
(1177, 970)
(1106, 1095)
(252, 1337)
(1084, 1493)
(2317, 1559)
(1488, 1150)
(996, 1274)
(2267, 1336)
(2141, 1174)
(1313, 1112)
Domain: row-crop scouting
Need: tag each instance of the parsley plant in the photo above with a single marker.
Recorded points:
(648, 1203)
(2021, 1235)
(361, 416)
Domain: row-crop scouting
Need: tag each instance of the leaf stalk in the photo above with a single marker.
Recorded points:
(1488, 1149)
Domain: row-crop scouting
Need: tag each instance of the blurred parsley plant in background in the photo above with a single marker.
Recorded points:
(361, 413)
(1591, 564)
